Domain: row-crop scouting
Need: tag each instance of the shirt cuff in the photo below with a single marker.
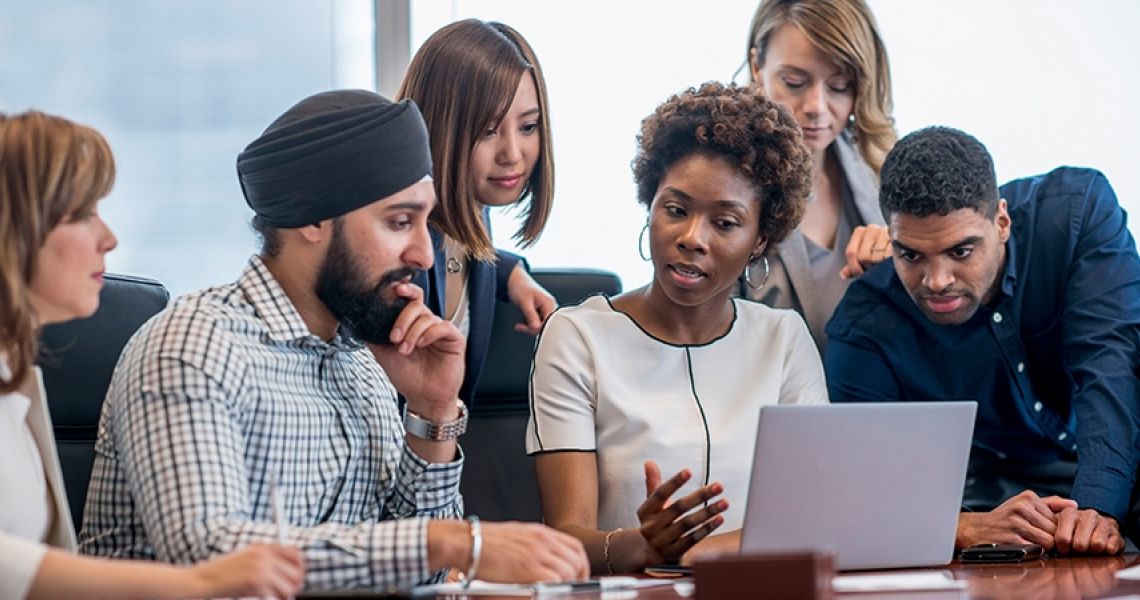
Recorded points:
(434, 486)
(19, 562)
(1103, 489)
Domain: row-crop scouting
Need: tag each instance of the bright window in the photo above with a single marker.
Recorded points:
(179, 88)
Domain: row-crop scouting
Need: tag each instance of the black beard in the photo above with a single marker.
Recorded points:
(343, 288)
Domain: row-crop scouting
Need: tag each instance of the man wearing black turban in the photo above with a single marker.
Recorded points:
(252, 412)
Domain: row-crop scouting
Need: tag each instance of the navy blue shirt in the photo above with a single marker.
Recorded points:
(1052, 360)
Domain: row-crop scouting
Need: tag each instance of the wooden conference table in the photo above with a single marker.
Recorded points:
(1050, 579)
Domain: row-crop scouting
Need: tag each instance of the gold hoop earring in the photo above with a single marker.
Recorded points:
(748, 269)
(641, 243)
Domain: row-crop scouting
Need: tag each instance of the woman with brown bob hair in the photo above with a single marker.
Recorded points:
(621, 385)
(825, 62)
(481, 91)
(52, 244)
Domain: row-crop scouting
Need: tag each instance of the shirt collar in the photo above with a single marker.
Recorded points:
(1009, 278)
(282, 321)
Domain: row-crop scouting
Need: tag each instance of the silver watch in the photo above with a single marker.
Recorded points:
(436, 432)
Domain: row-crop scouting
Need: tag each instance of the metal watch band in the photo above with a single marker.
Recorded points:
(436, 432)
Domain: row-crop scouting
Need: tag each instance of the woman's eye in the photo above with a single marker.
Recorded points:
(400, 224)
(840, 87)
(530, 128)
(726, 224)
(794, 84)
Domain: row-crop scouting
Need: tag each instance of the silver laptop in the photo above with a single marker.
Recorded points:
(878, 484)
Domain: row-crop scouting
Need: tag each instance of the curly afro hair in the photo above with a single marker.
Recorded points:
(936, 171)
(738, 124)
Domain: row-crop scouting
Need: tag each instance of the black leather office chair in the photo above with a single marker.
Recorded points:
(78, 359)
(498, 477)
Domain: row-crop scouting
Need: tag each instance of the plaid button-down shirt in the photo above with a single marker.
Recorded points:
(224, 392)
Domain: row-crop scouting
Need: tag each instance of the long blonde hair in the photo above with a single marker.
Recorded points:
(50, 168)
(463, 79)
(845, 30)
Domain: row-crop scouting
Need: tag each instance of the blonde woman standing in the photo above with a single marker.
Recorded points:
(825, 62)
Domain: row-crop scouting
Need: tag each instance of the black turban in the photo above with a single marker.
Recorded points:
(332, 153)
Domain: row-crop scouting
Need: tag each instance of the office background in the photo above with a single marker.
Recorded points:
(180, 86)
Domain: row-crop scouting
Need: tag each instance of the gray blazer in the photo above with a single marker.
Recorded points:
(789, 282)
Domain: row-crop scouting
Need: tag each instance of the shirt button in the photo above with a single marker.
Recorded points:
(1036, 407)
(1062, 437)
(997, 317)
(1020, 367)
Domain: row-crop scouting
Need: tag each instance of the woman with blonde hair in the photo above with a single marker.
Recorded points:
(825, 61)
(482, 94)
(52, 243)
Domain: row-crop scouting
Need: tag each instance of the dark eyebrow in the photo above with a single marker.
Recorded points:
(412, 205)
(967, 241)
(719, 203)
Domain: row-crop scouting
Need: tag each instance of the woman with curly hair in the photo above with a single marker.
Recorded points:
(482, 94)
(640, 379)
(825, 62)
(52, 244)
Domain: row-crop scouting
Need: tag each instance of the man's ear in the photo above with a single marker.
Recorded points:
(316, 232)
(1002, 220)
(754, 66)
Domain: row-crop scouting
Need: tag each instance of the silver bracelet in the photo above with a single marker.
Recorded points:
(606, 550)
(476, 549)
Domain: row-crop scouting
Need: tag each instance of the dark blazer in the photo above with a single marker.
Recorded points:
(486, 282)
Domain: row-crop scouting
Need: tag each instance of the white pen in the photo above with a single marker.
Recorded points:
(603, 584)
(277, 504)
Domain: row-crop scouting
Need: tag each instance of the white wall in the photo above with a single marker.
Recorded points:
(1040, 82)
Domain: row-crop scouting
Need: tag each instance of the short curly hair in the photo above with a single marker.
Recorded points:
(936, 171)
(739, 124)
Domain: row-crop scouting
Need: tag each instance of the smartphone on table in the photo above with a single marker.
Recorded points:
(1001, 553)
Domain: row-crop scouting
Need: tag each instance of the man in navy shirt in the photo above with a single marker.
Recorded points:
(1025, 299)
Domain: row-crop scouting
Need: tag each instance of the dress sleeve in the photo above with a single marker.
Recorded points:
(563, 390)
(803, 380)
(19, 562)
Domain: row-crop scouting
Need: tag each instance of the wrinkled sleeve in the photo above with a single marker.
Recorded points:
(1101, 339)
(179, 435)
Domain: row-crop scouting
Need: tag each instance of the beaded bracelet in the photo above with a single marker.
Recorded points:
(606, 550)
(476, 549)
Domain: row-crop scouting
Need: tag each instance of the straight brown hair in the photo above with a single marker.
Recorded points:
(50, 169)
(463, 79)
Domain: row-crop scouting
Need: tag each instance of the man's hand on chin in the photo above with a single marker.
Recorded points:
(425, 359)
